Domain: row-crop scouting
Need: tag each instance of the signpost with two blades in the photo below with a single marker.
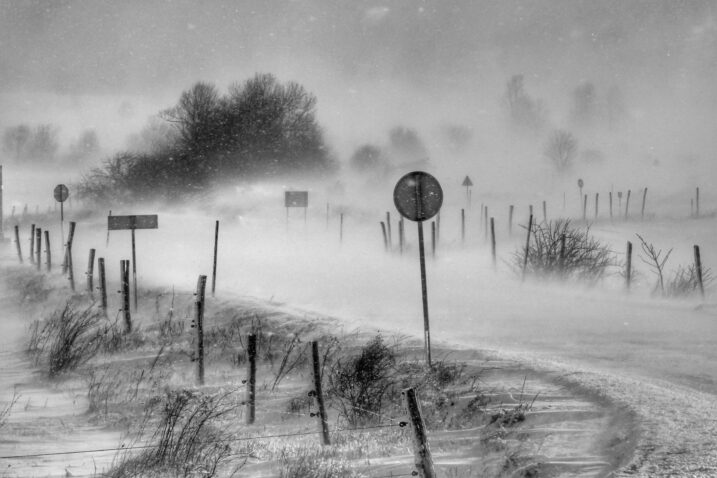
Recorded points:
(418, 196)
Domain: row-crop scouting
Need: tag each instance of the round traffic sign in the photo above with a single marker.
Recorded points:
(418, 196)
(61, 193)
(580, 183)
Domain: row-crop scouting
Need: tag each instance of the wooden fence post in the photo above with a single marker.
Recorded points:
(438, 227)
(561, 257)
(318, 393)
(70, 269)
(610, 200)
(585, 207)
(510, 220)
(38, 247)
(17, 243)
(216, 243)
(628, 265)
(199, 324)
(642, 211)
(124, 281)
(485, 225)
(251, 380)
(48, 251)
(103, 284)
(32, 244)
(421, 451)
(545, 212)
(341, 229)
(698, 270)
(385, 236)
(597, 202)
(401, 235)
(492, 242)
(388, 230)
(90, 273)
(697, 202)
(627, 204)
(527, 246)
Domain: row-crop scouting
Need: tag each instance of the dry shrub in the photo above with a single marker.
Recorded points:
(189, 440)
(584, 257)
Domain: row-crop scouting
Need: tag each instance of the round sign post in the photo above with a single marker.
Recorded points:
(61, 194)
(418, 196)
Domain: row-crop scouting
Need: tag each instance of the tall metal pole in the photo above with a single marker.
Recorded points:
(214, 269)
(422, 257)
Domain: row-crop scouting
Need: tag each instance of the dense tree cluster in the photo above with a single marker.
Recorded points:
(259, 128)
(25, 143)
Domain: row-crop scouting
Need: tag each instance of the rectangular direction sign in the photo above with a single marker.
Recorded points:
(147, 221)
(296, 199)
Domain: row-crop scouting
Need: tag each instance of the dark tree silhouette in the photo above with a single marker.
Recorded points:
(525, 113)
(561, 149)
(368, 159)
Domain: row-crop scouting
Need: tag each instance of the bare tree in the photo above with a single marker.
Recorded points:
(524, 112)
(561, 149)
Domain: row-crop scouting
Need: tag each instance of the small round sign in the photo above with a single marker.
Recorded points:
(418, 196)
(61, 193)
(580, 183)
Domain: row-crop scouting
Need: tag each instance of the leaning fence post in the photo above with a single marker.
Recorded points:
(48, 253)
(38, 247)
(251, 379)
(527, 246)
(385, 237)
(698, 270)
(199, 324)
(388, 229)
(627, 204)
(421, 452)
(90, 272)
(628, 265)
(17, 243)
(124, 290)
(70, 272)
(324, 423)
(644, 197)
(597, 202)
(103, 284)
(492, 241)
(561, 257)
(610, 200)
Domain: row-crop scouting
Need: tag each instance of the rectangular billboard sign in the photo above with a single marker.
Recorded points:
(147, 221)
(296, 199)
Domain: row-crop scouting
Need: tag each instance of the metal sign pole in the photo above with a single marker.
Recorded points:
(422, 257)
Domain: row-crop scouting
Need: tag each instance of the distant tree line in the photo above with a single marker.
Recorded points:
(39, 144)
(260, 128)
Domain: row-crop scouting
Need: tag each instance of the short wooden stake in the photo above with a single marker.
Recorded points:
(698, 270)
(485, 225)
(492, 242)
(421, 451)
(628, 266)
(401, 235)
(527, 246)
(214, 267)
(124, 281)
(199, 324)
(438, 227)
(545, 212)
(318, 393)
(17, 243)
(510, 220)
(627, 204)
(48, 251)
(38, 248)
(385, 236)
(251, 379)
(70, 269)
(692, 207)
(463, 226)
(610, 201)
(103, 283)
(90, 273)
(644, 198)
